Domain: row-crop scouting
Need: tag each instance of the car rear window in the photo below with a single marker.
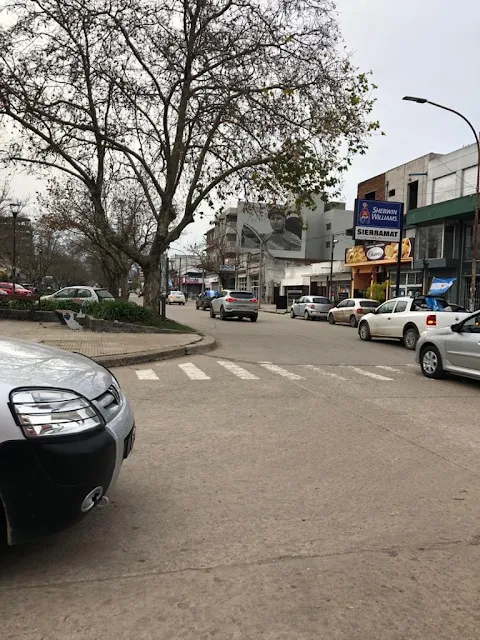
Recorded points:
(242, 295)
(103, 293)
(321, 300)
(369, 304)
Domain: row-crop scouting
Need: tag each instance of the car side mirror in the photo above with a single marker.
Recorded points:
(457, 327)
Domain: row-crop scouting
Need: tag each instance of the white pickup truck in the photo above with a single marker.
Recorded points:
(407, 318)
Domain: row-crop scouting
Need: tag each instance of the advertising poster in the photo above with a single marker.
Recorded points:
(277, 230)
(377, 220)
(378, 251)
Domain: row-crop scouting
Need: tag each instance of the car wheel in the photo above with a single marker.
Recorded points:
(364, 332)
(410, 338)
(253, 318)
(223, 315)
(330, 318)
(212, 314)
(306, 315)
(431, 362)
(292, 313)
(353, 321)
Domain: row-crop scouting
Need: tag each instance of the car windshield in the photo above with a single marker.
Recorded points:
(242, 295)
(369, 304)
(103, 294)
(321, 300)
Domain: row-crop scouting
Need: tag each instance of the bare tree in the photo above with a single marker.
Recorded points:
(196, 99)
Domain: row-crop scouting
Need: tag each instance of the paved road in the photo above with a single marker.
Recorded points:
(294, 483)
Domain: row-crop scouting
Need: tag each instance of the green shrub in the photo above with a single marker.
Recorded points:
(121, 311)
(52, 305)
(378, 291)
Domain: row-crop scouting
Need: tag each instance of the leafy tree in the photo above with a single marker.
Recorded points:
(198, 100)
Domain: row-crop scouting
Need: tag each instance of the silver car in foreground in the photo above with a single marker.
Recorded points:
(65, 429)
(311, 307)
(454, 349)
(234, 304)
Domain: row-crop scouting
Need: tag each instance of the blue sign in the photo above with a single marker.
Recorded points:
(440, 286)
(377, 220)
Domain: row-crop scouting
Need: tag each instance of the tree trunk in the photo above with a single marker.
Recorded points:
(151, 288)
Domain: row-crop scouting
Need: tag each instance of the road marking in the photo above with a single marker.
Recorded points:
(193, 372)
(323, 372)
(369, 374)
(385, 368)
(240, 372)
(281, 372)
(147, 374)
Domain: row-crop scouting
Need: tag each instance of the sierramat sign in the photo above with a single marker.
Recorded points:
(376, 220)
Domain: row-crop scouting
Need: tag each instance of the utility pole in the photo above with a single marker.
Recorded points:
(260, 275)
(333, 242)
(15, 209)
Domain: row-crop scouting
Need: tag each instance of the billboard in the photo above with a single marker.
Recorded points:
(377, 220)
(277, 230)
(383, 252)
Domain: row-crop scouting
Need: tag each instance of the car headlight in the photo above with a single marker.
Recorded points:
(53, 412)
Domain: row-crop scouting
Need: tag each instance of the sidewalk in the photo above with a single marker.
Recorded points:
(272, 308)
(108, 349)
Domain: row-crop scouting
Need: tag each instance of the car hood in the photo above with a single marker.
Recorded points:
(32, 364)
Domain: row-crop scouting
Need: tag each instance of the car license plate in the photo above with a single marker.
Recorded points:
(128, 443)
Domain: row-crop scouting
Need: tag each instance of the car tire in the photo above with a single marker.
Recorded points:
(431, 362)
(307, 316)
(183, 304)
(212, 314)
(353, 322)
(410, 338)
(254, 318)
(223, 315)
(292, 314)
(330, 318)
(364, 332)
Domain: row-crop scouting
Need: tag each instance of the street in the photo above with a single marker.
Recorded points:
(294, 483)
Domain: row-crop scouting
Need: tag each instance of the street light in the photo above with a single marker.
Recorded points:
(332, 249)
(15, 210)
(477, 191)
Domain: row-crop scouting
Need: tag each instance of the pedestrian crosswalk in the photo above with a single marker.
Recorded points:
(213, 369)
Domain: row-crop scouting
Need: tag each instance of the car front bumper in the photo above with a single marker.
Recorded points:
(44, 485)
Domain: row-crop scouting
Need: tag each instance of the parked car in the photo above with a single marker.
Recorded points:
(19, 290)
(235, 304)
(350, 310)
(3, 293)
(80, 294)
(454, 349)
(204, 301)
(407, 319)
(176, 297)
(65, 429)
(311, 308)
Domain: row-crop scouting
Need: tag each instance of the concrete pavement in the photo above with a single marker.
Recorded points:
(330, 493)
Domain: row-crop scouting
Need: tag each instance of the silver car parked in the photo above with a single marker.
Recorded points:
(234, 304)
(65, 429)
(454, 349)
(311, 308)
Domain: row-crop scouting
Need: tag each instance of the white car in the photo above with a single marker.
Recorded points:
(80, 294)
(176, 297)
(408, 318)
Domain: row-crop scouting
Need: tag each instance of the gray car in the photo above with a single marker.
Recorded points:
(234, 304)
(311, 308)
(65, 429)
(351, 310)
(454, 349)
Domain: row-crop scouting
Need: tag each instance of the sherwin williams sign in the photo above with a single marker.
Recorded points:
(377, 220)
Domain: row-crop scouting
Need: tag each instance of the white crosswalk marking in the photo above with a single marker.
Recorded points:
(385, 368)
(147, 374)
(193, 372)
(281, 372)
(240, 372)
(369, 374)
(324, 373)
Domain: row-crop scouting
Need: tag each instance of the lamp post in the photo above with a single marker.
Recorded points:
(330, 280)
(473, 286)
(15, 210)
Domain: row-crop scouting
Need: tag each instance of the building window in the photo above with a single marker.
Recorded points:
(449, 241)
(391, 193)
(412, 195)
(327, 244)
(329, 226)
(468, 243)
(429, 242)
(469, 180)
(370, 196)
(444, 188)
(242, 283)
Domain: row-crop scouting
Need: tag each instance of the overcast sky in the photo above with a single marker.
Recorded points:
(428, 48)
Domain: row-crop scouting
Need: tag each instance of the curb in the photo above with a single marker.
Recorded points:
(206, 343)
